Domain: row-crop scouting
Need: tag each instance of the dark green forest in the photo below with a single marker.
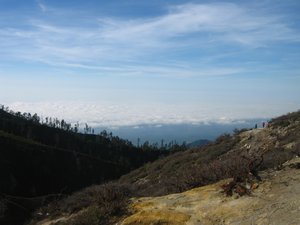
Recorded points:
(42, 159)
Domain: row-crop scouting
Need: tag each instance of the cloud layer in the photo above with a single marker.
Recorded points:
(109, 115)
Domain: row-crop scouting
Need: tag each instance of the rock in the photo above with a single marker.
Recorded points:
(254, 186)
(241, 190)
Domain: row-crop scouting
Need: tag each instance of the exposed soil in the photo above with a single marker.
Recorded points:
(276, 200)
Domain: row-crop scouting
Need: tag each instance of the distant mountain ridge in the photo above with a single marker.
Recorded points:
(180, 133)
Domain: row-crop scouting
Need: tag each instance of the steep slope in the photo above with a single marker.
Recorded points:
(30, 168)
(39, 163)
(256, 148)
(65, 159)
(275, 201)
(246, 156)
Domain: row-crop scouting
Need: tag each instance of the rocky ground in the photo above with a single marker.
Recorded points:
(276, 200)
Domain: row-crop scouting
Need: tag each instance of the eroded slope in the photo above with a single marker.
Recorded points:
(275, 201)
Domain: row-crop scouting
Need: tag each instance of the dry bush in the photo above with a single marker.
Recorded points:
(3, 207)
(285, 120)
(196, 176)
(296, 150)
(182, 170)
(93, 215)
(236, 166)
(101, 202)
(223, 138)
(102, 195)
(274, 158)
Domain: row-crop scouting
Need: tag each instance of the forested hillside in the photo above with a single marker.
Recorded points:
(38, 158)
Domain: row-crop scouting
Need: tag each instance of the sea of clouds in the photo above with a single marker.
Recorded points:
(120, 115)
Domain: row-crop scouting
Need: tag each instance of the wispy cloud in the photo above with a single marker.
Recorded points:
(97, 42)
(223, 22)
(42, 6)
(212, 41)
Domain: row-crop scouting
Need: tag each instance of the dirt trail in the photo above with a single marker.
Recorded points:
(275, 201)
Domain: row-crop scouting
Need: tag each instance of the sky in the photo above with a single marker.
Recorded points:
(129, 62)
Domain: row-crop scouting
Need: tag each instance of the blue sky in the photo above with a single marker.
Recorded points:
(129, 62)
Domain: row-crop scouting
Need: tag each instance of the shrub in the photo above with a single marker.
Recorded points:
(101, 203)
(3, 208)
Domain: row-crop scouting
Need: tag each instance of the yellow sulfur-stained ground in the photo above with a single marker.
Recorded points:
(275, 201)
